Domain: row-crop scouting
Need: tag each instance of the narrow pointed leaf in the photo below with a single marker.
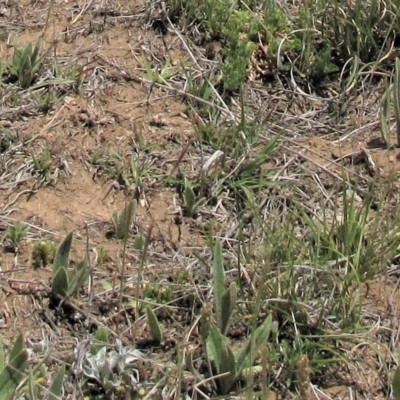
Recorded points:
(32, 393)
(78, 277)
(2, 358)
(260, 335)
(218, 281)
(59, 285)
(13, 373)
(228, 304)
(214, 346)
(36, 50)
(396, 383)
(154, 325)
(17, 347)
(61, 258)
(101, 335)
(57, 385)
(228, 365)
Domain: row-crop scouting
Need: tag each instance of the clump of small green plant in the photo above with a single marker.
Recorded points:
(43, 253)
(25, 64)
(15, 234)
(66, 283)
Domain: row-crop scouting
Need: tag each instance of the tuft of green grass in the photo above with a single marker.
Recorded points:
(15, 234)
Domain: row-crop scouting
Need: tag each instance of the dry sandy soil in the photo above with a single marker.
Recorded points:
(117, 113)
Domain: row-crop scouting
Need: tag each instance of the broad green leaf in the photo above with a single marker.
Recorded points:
(138, 243)
(17, 347)
(101, 335)
(123, 220)
(397, 98)
(13, 373)
(396, 383)
(260, 335)
(100, 340)
(78, 277)
(228, 304)
(61, 258)
(59, 285)
(190, 197)
(228, 365)
(2, 358)
(218, 281)
(214, 346)
(106, 284)
(57, 385)
(36, 50)
(154, 325)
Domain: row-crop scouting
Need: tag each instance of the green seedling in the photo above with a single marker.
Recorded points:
(192, 203)
(15, 234)
(13, 370)
(63, 283)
